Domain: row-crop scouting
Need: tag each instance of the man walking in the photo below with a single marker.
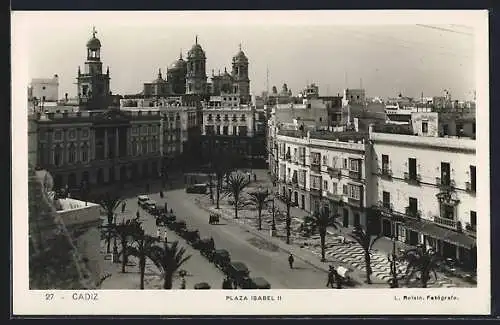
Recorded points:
(290, 261)
(330, 281)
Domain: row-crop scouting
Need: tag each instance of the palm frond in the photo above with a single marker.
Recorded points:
(374, 240)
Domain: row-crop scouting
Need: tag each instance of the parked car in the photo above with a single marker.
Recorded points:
(202, 286)
(197, 188)
(221, 259)
(179, 226)
(141, 199)
(191, 235)
(256, 283)
(150, 206)
(238, 272)
(205, 246)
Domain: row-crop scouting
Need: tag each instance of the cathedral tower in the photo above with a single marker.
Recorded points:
(240, 74)
(93, 84)
(196, 77)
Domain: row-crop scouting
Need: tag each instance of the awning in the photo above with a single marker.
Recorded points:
(432, 230)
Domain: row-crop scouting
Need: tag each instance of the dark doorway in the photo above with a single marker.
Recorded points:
(345, 219)
(386, 228)
(303, 199)
(445, 173)
(413, 238)
(296, 196)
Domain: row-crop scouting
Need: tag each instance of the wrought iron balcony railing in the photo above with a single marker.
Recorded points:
(334, 196)
(445, 185)
(385, 206)
(416, 214)
(355, 174)
(469, 188)
(412, 179)
(333, 172)
(448, 223)
(385, 172)
(316, 167)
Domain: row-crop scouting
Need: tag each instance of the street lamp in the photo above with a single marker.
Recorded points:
(393, 260)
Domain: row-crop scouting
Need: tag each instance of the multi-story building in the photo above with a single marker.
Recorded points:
(317, 167)
(425, 187)
(44, 89)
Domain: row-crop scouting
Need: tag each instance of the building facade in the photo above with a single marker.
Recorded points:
(318, 168)
(426, 191)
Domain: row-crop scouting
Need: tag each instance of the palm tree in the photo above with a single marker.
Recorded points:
(320, 221)
(110, 203)
(220, 165)
(259, 199)
(366, 241)
(144, 249)
(236, 184)
(126, 230)
(420, 261)
(287, 199)
(169, 259)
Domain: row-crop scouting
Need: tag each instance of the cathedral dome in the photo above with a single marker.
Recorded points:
(196, 52)
(94, 43)
(179, 64)
(240, 56)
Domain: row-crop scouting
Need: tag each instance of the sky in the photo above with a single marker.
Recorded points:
(410, 56)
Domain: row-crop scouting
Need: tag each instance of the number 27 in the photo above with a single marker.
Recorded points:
(49, 296)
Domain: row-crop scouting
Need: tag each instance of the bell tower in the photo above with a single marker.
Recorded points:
(93, 84)
(196, 76)
(240, 75)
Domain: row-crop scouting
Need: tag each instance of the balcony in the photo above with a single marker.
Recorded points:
(470, 229)
(445, 185)
(469, 188)
(385, 206)
(385, 173)
(316, 167)
(414, 214)
(448, 223)
(288, 157)
(315, 191)
(354, 202)
(334, 196)
(333, 172)
(412, 179)
(355, 174)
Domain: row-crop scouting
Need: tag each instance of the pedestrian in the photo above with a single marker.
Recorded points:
(123, 206)
(330, 281)
(161, 194)
(183, 283)
(165, 235)
(290, 261)
(166, 207)
(137, 215)
(254, 177)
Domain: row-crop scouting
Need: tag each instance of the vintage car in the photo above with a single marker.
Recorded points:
(202, 286)
(256, 283)
(197, 188)
(221, 259)
(179, 226)
(141, 199)
(214, 218)
(238, 272)
(205, 245)
(191, 235)
(149, 205)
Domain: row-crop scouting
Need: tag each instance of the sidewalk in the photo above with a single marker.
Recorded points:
(305, 255)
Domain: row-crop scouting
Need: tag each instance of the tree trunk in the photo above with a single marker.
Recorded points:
(124, 256)
(168, 279)
(218, 191)
(260, 218)
(322, 237)
(288, 224)
(424, 278)
(368, 267)
(236, 209)
(142, 269)
(108, 249)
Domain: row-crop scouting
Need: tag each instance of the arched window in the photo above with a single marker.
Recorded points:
(58, 153)
(84, 152)
(72, 153)
(144, 146)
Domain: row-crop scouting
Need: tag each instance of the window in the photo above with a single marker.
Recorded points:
(345, 190)
(72, 134)
(325, 159)
(210, 117)
(425, 127)
(235, 130)
(72, 154)
(354, 165)
(473, 178)
(412, 206)
(225, 130)
(345, 163)
(85, 133)
(217, 118)
(354, 192)
(412, 168)
(473, 218)
(242, 131)
(217, 128)
(386, 199)
(234, 118)
(84, 153)
(385, 164)
(57, 156)
(316, 182)
(325, 185)
(243, 118)
(316, 158)
(58, 135)
(445, 173)
(226, 117)
(448, 212)
(144, 129)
